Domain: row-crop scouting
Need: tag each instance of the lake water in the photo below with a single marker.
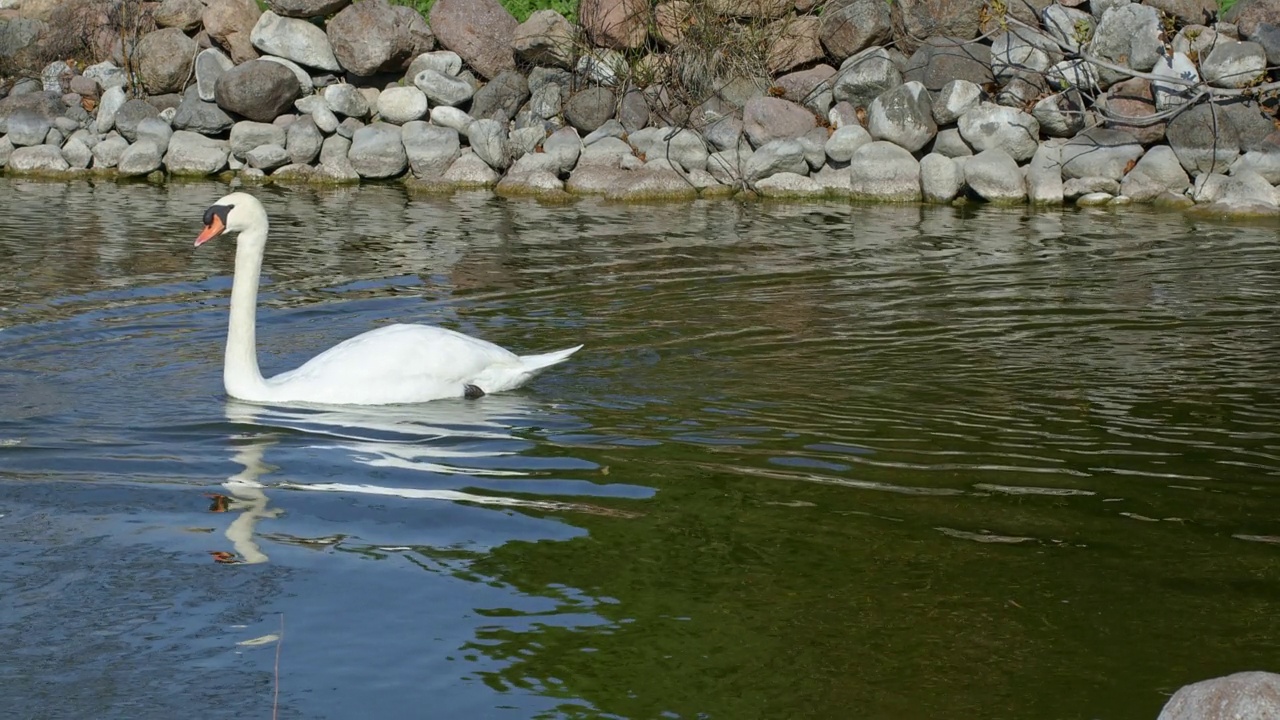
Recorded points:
(815, 461)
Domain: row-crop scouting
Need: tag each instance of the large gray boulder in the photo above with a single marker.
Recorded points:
(38, 159)
(1044, 174)
(864, 76)
(211, 64)
(430, 149)
(230, 23)
(267, 157)
(372, 36)
(1157, 172)
(141, 158)
(318, 109)
(810, 88)
(1243, 696)
(258, 90)
(447, 62)
(1265, 160)
(305, 84)
(1233, 64)
(248, 134)
(956, 98)
(156, 131)
(608, 151)
(402, 104)
(1019, 52)
(849, 26)
(1204, 138)
(480, 31)
(1067, 25)
(77, 153)
(617, 24)
(590, 108)
(1253, 123)
(27, 127)
(164, 60)
(1247, 193)
(333, 153)
(198, 116)
(940, 178)
(488, 138)
(346, 100)
(903, 116)
(194, 154)
(682, 147)
(943, 59)
(1100, 152)
(844, 142)
(790, 185)
(990, 126)
(1059, 114)
(183, 15)
(545, 39)
(47, 104)
(132, 113)
(451, 117)
(377, 151)
(297, 40)
(995, 177)
(106, 154)
(303, 140)
(500, 98)
(442, 89)
(950, 143)
(1128, 35)
(113, 98)
(883, 171)
(564, 146)
(470, 171)
(770, 118)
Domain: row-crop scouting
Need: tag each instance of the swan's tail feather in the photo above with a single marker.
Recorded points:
(536, 363)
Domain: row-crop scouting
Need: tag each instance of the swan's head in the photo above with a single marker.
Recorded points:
(236, 212)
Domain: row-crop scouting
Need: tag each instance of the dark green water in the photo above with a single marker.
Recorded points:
(816, 461)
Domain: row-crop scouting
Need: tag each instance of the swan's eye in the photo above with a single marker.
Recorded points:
(217, 211)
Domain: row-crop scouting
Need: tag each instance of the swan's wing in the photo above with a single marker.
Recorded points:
(404, 361)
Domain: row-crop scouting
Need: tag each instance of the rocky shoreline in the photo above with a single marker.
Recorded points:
(1092, 102)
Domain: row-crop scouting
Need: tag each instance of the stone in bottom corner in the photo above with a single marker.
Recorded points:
(789, 185)
(1252, 695)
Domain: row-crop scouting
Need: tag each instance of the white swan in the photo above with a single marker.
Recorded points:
(393, 364)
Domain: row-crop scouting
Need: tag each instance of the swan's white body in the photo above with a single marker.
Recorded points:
(393, 364)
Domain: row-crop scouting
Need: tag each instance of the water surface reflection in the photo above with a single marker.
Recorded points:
(815, 460)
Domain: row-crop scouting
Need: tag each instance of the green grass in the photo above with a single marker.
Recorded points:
(521, 9)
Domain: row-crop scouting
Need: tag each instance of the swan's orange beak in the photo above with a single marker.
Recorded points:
(211, 231)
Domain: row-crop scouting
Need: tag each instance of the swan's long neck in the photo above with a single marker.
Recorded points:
(240, 374)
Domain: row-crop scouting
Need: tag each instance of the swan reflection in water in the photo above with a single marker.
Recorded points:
(438, 438)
